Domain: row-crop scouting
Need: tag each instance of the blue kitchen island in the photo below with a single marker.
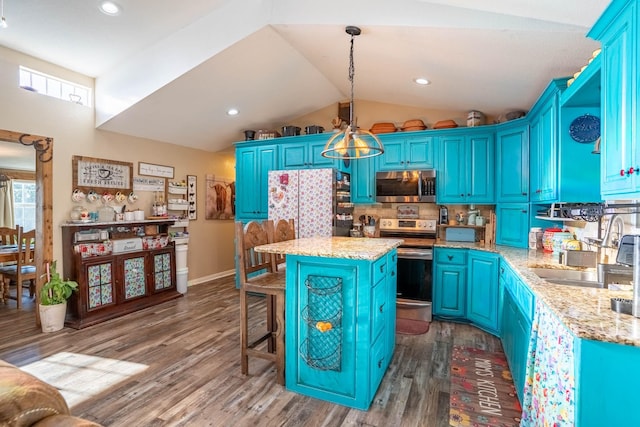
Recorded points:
(340, 316)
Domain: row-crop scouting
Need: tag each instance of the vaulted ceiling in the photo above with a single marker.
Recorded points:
(169, 70)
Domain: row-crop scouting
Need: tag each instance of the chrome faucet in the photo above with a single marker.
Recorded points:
(607, 240)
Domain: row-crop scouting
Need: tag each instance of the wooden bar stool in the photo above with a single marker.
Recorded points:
(283, 230)
(259, 275)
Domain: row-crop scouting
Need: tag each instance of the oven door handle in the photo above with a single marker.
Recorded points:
(415, 254)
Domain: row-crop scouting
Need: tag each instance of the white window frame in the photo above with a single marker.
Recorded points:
(45, 84)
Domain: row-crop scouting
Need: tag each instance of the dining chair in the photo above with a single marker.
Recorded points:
(8, 236)
(282, 230)
(25, 267)
(258, 275)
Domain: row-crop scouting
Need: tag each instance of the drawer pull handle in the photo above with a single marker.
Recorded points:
(450, 257)
(382, 269)
(381, 308)
(393, 273)
(380, 363)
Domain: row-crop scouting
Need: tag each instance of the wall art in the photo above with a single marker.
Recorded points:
(192, 191)
(107, 175)
(221, 197)
(155, 170)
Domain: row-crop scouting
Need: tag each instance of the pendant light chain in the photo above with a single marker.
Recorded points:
(352, 72)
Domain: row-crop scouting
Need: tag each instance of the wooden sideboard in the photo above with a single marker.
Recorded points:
(114, 284)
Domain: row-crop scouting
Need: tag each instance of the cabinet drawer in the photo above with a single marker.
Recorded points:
(379, 269)
(451, 257)
(378, 308)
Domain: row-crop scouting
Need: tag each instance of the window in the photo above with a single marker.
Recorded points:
(24, 203)
(36, 81)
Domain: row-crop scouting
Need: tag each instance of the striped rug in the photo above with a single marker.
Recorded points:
(482, 391)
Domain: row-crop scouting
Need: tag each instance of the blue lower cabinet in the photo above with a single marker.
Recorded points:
(339, 314)
(450, 283)
(517, 315)
(482, 290)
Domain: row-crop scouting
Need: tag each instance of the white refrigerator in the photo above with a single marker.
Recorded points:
(314, 198)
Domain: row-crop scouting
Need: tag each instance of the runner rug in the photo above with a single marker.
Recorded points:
(482, 391)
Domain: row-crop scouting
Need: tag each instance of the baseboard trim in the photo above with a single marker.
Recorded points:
(211, 277)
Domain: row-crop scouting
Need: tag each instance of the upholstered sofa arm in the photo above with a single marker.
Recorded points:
(27, 401)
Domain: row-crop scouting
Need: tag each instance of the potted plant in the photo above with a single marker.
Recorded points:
(53, 300)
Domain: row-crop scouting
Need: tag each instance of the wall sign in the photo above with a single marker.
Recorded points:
(142, 183)
(192, 189)
(90, 173)
(155, 170)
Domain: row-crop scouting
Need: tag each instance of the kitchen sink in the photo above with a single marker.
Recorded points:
(582, 278)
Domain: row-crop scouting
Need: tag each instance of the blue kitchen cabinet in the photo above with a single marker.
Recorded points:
(618, 31)
(402, 152)
(253, 163)
(517, 316)
(345, 363)
(466, 172)
(512, 223)
(543, 143)
(482, 290)
(363, 187)
(450, 283)
(305, 152)
(512, 162)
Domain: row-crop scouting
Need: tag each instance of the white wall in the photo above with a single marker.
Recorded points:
(211, 248)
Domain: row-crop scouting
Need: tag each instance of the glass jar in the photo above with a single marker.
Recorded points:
(535, 238)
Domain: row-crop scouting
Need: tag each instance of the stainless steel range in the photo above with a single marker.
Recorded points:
(415, 264)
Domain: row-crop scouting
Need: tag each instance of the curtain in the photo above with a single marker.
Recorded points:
(7, 218)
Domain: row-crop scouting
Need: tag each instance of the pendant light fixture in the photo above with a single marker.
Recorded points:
(3, 20)
(352, 143)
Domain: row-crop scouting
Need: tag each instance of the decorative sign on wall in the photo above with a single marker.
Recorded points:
(192, 189)
(90, 173)
(221, 198)
(155, 170)
(142, 183)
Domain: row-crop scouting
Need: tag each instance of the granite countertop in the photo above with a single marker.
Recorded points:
(586, 312)
(333, 247)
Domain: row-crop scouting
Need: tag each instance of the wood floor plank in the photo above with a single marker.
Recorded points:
(191, 347)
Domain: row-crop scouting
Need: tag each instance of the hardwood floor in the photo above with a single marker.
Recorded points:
(192, 349)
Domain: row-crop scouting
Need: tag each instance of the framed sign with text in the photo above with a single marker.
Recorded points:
(108, 175)
(150, 169)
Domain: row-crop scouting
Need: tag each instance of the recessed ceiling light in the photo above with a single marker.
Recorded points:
(421, 81)
(109, 8)
(232, 111)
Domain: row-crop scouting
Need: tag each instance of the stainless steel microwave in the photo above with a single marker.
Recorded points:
(406, 186)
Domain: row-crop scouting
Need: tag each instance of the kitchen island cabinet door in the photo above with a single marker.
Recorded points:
(253, 164)
(338, 317)
(512, 163)
(482, 290)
